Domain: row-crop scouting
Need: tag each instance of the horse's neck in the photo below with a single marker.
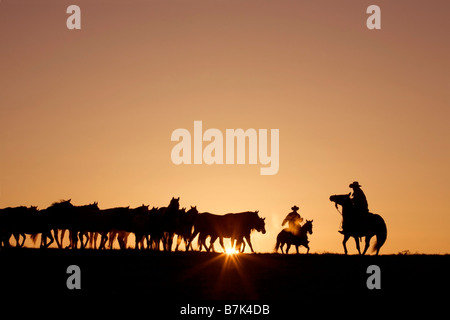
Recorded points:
(347, 209)
(302, 232)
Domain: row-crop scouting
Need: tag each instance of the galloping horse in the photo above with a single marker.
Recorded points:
(298, 238)
(236, 226)
(375, 225)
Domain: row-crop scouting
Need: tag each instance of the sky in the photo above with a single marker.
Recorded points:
(88, 114)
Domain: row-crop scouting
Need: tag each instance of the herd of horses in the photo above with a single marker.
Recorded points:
(156, 228)
(153, 228)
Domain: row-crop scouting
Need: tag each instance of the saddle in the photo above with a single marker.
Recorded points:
(357, 224)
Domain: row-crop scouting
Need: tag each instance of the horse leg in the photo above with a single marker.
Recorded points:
(55, 235)
(247, 238)
(178, 242)
(233, 242)
(122, 242)
(307, 246)
(296, 248)
(48, 234)
(43, 240)
(186, 243)
(357, 244)
(17, 238)
(74, 239)
(367, 244)
(192, 237)
(157, 242)
(93, 236)
(91, 239)
(70, 239)
(147, 240)
(61, 239)
(80, 236)
(24, 238)
(243, 245)
(87, 234)
(288, 246)
(201, 242)
(211, 243)
(137, 238)
(170, 241)
(5, 240)
(103, 240)
(164, 241)
(221, 244)
(346, 237)
(84, 244)
(112, 238)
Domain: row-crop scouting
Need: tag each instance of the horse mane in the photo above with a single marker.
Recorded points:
(250, 216)
(59, 202)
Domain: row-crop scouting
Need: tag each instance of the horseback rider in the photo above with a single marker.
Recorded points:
(359, 198)
(360, 205)
(294, 219)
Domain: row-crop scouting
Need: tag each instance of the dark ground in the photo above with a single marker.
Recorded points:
(175, 279)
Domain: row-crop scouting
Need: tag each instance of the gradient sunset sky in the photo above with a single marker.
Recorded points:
(88, 114)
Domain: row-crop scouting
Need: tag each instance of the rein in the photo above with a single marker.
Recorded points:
(337, 208)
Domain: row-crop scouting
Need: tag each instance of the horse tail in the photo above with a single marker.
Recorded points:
(381, 233)
(277, 245)
(33, 237)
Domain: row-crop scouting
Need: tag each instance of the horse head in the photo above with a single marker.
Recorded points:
(174, 203)
(341, 199)
(92, 206)
(61, 205)
(141, 209)
(308, 226)
(260, 224)
(193, 210)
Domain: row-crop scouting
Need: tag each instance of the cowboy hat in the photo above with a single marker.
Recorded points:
(355, 184)
(294, 208)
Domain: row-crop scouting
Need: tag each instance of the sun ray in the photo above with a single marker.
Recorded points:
(231, 251)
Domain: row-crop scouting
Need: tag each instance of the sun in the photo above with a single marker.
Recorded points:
(231, 251)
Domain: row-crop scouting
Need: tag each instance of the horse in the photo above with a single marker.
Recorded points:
(298, 238)
(185, 224)
(63, 216)
(168, 222)
(373, 225)
(142, 225)
(19, 221)
(232, 225)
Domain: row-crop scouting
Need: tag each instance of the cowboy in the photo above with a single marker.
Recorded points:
(359, 198)
(361, 210)
(294, 219)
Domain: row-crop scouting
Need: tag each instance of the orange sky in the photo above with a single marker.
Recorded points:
(88, 114)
